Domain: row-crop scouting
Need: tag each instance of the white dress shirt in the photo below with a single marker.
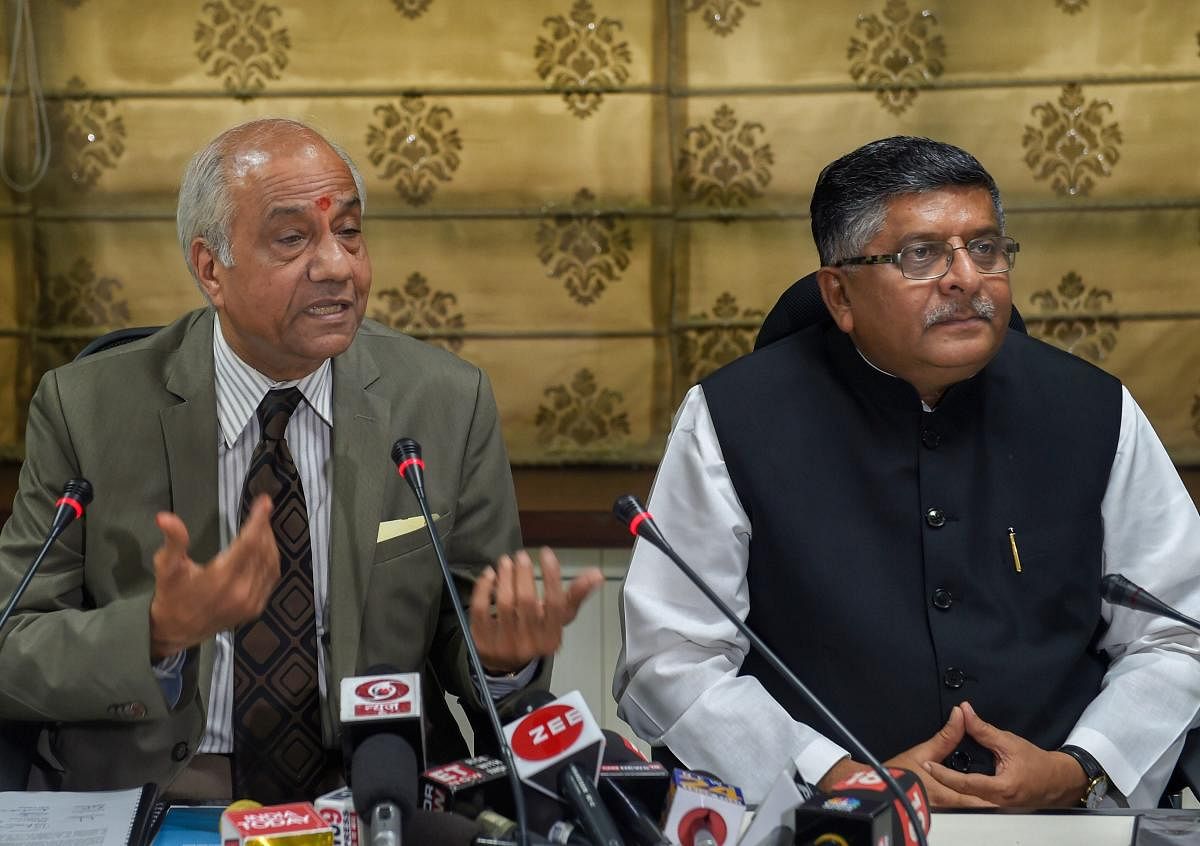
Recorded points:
(677, 681)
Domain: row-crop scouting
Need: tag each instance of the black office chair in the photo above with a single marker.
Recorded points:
(18, 740)
(116, 338)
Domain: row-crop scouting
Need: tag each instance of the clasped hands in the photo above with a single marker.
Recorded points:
(1027, 776)
(192, 602)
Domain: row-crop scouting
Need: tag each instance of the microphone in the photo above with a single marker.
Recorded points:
(858, 810)
(385, 700)
(1118, 590)
(702, 810)
(76, 495)
(631, 815)
(384, 782)
(641, 524)
(581, 794)
(274, 825)
(406, 455)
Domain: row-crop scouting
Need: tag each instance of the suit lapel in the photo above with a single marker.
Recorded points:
(190, 435)
(361, 444)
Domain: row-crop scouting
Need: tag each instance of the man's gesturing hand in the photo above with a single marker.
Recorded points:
(1026, 776)
(521, 627)
(193, 601)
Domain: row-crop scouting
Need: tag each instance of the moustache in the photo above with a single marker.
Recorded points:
(980, 306)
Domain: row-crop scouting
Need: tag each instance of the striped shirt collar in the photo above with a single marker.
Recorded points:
(240, 388)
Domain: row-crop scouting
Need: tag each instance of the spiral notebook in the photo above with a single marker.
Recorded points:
(102, 817)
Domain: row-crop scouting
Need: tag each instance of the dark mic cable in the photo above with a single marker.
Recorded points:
(1118, 590)
(76, 495)
(641, 523)
(406, 455)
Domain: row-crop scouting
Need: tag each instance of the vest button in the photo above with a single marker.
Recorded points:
(942, 599)
(179, 751)
(935, 517)
(954, 678)
(959, 760)
(930, 438)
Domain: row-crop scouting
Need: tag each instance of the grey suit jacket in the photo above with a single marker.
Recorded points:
(139, 422)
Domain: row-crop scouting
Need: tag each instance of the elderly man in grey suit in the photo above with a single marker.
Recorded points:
(250, 543)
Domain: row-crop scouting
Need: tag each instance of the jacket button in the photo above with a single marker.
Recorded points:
(930, 438)
(942, 599)
(959, 760)
(179, 751)
(935, 517)
(954, 678)
(135, 710)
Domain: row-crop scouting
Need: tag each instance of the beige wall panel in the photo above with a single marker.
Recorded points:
(806, 43)
(450, 43)
(514, 152)
(1159, 361)
(805, 132)
(791, 43)
(585, 418)
(110, 274)
(754, 260)
(500, 284)
(1147, 261)
(12, 360)
(17, 291)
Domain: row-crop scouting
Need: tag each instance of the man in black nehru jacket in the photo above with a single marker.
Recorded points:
(914, 507)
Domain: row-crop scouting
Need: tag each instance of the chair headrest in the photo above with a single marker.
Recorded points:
(801, 306)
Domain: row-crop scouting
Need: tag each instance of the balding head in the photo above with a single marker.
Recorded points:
(206, 208)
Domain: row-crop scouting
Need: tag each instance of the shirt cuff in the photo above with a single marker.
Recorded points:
(169, 672)
(502, 686)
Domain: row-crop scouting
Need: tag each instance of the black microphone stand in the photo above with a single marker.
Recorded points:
(630, 512)
(406, 454)
(76, 495)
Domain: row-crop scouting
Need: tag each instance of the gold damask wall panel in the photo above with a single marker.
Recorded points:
(587, 400)
(415, 153)
(598, 200)
(1159, 361)
(98, 275)
(775, 43)
(764, 152)
(574, 274)
(1126, 262)
(200, 45)
(15, 275)
(11, 425)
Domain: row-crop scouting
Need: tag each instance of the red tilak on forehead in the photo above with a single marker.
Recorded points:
(323, 203)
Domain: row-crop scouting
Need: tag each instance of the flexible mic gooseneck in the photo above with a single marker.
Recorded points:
(406, 455)
(1118, 590)
(641, 523)
(76, 495)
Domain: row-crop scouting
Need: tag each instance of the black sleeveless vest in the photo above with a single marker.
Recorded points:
(881, 567)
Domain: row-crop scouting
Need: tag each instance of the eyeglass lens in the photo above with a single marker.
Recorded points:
(931, 259)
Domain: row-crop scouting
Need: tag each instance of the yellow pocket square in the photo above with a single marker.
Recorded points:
(389, 529)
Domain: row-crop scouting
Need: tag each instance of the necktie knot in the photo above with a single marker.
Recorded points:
(276, 410)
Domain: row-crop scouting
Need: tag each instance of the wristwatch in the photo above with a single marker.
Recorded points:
(1097, 786)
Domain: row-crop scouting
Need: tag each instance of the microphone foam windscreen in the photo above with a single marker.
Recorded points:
(423, 826)
(384, 769)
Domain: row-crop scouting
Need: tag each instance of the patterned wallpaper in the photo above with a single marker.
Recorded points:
(598, 200)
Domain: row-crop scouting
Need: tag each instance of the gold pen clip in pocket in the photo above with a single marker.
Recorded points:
(1012, 542)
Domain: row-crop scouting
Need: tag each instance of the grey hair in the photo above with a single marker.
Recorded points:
(205, 208)
(850, 200)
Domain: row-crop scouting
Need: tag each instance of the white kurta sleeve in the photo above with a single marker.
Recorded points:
(1150, 695)
(676, 680)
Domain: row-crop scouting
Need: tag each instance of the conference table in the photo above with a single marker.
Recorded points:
(1062, 828)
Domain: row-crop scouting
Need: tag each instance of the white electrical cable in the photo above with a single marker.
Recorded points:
(23, 25)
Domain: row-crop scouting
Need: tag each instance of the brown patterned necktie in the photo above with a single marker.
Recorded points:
(278, 756)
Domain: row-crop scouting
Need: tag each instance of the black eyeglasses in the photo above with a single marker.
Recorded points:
(932, 259)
